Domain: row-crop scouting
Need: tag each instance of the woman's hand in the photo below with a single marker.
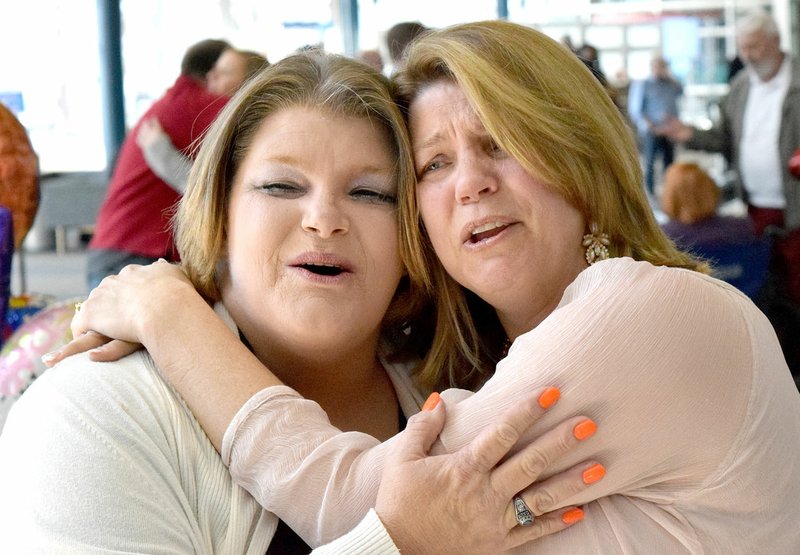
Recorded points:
(113, 321)
(463, 502)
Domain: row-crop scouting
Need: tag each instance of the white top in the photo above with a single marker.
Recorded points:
(699, 423)
(105, 458)
(760, 164)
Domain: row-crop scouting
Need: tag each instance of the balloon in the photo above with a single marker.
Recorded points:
(19, 174)
(20, 357)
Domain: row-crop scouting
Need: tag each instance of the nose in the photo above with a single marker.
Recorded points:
(324, 217)
(474, 180)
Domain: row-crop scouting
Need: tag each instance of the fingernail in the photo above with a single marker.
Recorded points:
(572, 516)
(593, 473)
(49, 357)
(549, 397)
(431, 402)
(585, 429)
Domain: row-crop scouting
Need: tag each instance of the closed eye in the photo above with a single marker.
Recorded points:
(282, 190)
(374, 196)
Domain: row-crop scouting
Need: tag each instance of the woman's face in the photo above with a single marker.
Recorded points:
(498, 230)
(228, 73)
(312, 246)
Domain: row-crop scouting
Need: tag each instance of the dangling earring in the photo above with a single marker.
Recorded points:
(596, 244)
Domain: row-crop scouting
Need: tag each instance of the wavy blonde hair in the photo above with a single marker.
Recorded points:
(337, 84)
(546, 109)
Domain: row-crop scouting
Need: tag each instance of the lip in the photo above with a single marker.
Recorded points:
(299, 265)
(470, 227)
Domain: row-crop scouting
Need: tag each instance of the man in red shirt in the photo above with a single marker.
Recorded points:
(133, 223)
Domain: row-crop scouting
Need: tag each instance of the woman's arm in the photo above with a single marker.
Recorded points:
(197, 352)
(216, 380)
(455, 503)
(663, 358)
(164, 159)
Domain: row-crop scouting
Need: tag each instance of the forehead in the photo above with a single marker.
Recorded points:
(230, 58)
(312, 135)
(441, 105)
(754, 38)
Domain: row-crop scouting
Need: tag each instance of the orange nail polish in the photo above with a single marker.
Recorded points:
(572, 516)
(585, 429)
(431, 402)
(593, 473)
(549, 397)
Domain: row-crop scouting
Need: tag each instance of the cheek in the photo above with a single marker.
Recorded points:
(432, 212)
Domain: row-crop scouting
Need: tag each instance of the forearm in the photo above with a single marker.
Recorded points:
(206, 362)
(319, 480)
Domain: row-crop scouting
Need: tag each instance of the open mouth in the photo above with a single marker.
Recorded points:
(323, 269)
(486, 231)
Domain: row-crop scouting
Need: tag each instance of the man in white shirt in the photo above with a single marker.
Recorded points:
(759, 130)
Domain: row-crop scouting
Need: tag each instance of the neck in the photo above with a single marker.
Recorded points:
(350, 385)
(516, 322)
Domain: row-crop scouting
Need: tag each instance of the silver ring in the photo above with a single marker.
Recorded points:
(524, 514)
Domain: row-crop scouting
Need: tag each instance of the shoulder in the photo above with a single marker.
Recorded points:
(626, 294)
(80, 393)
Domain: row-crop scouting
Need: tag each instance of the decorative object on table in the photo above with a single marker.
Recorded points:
(21, 308)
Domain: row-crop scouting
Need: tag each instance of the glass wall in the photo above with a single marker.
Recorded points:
(52, 79)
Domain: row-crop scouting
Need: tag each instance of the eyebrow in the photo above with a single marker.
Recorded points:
(430, 141)
(298, 163)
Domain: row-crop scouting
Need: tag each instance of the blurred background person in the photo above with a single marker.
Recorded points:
(372, 58)
(232, 69)
(690, 199)
(759, 129)
(591, 57)
(653, 102)
(398, 37)
(133, 223)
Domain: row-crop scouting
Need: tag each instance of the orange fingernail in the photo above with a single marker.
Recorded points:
(593, 473)
(431, 402)
(572, 516)
(584, 429)
(549, 397)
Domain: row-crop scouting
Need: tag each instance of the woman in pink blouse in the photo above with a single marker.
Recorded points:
(291, 211)
(532, 223)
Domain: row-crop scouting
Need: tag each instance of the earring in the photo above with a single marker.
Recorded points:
(596, 244)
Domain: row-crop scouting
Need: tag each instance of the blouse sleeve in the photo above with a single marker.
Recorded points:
(641, 350)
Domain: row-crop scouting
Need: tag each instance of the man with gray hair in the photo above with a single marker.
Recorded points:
(759, 131)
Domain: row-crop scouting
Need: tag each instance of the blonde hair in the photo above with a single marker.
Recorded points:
(337, 84)
(689, 194)
(545, 108)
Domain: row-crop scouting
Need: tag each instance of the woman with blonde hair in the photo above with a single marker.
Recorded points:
(530, 216)
(290, 227)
